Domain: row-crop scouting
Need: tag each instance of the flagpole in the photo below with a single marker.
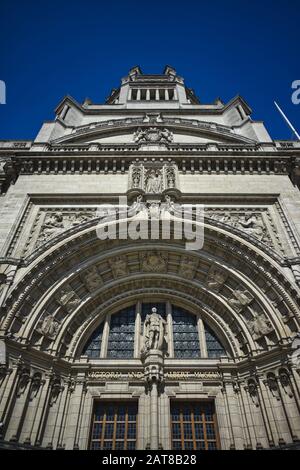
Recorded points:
(287, 120)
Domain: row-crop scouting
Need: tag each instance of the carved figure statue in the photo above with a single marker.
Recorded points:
(154, 332)
(153, 184)
(49, 326)
(253, 226)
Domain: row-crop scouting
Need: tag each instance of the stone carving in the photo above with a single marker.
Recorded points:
(58, 222)
(252, 388)
(119, 267)
(249, 223)
(153, 135)
(24, 378)
(109, 375)
(153, 181)
(92, 279)
(259, 326)
(187, 267)
(154, 262)
(252, 225)
(136, 176)
(153, 332)
(272, 383)
(56, 389)
(36, 382)
(153, 178)
(68, 299)
(171, 177)
(215, 279)
(80, 218)
(52, 227)
(49, 327)
(284, 378)
(241, 298)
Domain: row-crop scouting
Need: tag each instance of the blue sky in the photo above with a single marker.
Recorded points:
(83, 48)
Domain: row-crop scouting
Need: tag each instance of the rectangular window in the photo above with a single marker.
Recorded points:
(114, 426)
(193, 426)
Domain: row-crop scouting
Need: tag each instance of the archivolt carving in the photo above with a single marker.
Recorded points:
(237, 259)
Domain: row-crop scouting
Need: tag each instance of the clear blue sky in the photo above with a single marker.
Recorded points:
(83, 47)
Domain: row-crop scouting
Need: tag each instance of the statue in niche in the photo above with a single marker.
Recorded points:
(119, 267)
(153, 182)
(215, 279)
(136, 177)
(187, 267)
(49, 326)
(154, 332)
(241, 299)
(68, 298)
(92, 280)
(171, 178)
(259, 326)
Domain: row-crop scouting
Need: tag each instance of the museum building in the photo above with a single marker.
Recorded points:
(114, 338)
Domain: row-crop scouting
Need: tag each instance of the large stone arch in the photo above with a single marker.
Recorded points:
(66, 262)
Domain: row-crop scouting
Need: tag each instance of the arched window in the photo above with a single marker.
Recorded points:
(192, 338)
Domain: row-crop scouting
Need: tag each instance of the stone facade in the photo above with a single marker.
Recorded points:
(155, 143)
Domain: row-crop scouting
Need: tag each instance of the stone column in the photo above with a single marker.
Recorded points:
(148, 95)
(233, 413)
(74, 413)
(18, 404)
(153, 371)
(157, 94)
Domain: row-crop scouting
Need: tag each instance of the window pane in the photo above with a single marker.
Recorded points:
(193, 426)
(121, 335)
(117, 426)
(93, 345)
(214, 347)
(185, 334)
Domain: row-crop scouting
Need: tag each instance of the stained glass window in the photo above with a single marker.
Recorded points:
(193, 426)
(121, 334)
(214, 347)
(185, 334)
(120, 342)
(114, 426)
(93, 345)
